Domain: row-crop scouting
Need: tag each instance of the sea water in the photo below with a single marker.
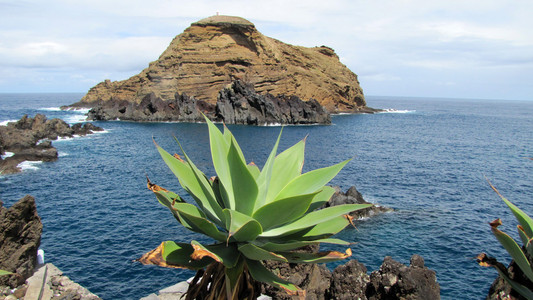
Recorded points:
(428, 160)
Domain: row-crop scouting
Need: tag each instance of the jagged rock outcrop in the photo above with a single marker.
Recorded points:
(216, 51)
(393, 280)
(353, 196)
(236, 104)
(29, 140)
(350, 281)
(20, 237)
(240, 104)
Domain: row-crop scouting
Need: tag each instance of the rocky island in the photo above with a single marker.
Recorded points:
(29, 139)
(225, 68)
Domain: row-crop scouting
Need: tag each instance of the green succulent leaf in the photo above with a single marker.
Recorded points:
(165, 200)
(4, 272)
(291, 245)
(310, 182)
(320, 231)
(515, 251)
(195, 183)
(195, 218)
(314, 218)
(321, 198)
(254, 252)
(285, 167)
(523, 235)
(244, 187)
(219, 154)
(529, 247)
(254, 170)
(522, 217)
(265, 177)
(226, 254)
(283, 211)
(262, 274)
(241, 227)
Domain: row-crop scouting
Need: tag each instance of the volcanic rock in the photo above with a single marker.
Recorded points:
(29, 140)
(214, 52)
(353, 196)
(393, 280)
(20, 237)
(240, 104)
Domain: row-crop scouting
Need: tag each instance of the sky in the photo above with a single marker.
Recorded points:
(411, 48)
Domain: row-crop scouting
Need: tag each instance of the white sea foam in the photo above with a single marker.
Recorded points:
(4, 123)
(50, 108)
(75, 118)
(29, 165)
(8, 154)
(62, 154)
(396, 111)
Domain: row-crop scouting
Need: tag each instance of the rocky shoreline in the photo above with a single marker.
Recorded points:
(238, 103)
(29, 139)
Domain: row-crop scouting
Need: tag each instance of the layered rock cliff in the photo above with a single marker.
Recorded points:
(216, 51)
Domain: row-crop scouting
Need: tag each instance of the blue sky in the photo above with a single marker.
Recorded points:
(458, 49)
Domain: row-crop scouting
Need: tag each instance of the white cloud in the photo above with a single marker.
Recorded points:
(386, 42)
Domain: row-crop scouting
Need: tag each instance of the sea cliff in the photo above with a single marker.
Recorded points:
(212, 54)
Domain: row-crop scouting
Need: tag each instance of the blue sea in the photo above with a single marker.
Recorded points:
(428, 160)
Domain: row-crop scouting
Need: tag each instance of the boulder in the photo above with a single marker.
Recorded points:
(349, 281)
(20, 237)
(393, 280)
(353, 196)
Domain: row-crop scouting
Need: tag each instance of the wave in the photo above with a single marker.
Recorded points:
(29, 165)
(4, 123)
(50, 108)
(395, 111)
(76, 118)
(8, 154)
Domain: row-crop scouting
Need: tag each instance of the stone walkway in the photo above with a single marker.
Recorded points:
(48, 283)
(177, 291)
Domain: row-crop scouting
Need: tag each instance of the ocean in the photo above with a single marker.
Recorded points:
(428, 161)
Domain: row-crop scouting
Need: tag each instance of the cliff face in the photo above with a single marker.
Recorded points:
(214, 52)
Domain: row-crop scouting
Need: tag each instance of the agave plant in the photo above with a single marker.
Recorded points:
(252, 215)
(518, 254)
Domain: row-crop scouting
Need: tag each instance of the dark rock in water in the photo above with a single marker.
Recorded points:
(353, 196)
(20, 237)
(237, 104)
(240, 104)
(29, 140)
(393, 280)
(153, 109)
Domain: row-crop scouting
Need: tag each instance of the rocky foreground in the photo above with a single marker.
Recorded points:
(29, 139)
